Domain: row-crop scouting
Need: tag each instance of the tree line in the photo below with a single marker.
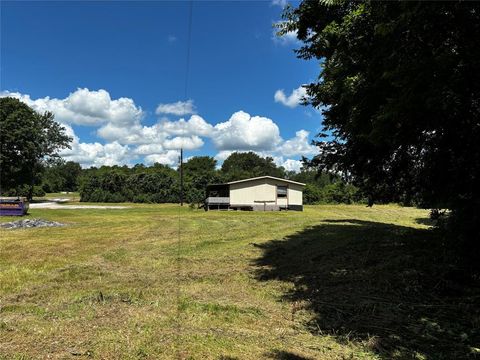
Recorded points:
(161, 184)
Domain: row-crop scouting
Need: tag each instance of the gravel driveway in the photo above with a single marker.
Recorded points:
(56, 205)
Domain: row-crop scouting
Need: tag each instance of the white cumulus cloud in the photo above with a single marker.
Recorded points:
(245, 132)
(298, 145)
(169, 157)
(292, 100)
(196, 125)
(179, 108)
(96, 154)
(165, 132)
(85, 107)
(126, 140)
(291, 164)
(283, 154)
(222, 155)
(185, 142)
(149, 149)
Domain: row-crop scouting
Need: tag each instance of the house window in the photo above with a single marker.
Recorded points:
(281, 191)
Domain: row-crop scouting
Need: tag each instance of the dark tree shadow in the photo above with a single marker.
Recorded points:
(392, 287)
(39, 201)
(285, 355)
(426, 221)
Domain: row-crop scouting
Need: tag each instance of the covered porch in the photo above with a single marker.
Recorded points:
(217, 197)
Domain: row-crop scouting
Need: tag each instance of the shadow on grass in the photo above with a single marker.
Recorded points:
(390, 287)
(285, 355)
(426, 221)
(39, 201)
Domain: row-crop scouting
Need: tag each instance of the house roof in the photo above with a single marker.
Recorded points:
(265, 177)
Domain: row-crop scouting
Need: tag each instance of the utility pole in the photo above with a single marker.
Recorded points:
(181, 176)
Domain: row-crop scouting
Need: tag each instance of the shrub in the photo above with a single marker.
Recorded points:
(312, 194)
(115, 186)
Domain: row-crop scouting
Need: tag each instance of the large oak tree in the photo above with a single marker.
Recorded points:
(399, 86)
(27, 140)
(243, 165)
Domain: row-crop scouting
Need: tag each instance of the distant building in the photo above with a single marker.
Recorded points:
(264, 193)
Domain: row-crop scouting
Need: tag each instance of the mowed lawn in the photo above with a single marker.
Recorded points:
(164, 282)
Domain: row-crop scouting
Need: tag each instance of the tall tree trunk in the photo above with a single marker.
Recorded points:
(32, 183)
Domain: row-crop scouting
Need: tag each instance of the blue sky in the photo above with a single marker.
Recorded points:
(114, 74)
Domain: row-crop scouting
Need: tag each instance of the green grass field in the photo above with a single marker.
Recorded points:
(164, 282)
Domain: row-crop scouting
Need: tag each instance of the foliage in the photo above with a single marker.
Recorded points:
(400, 90)
(157, 185)
(310, 176)
(199, 171)
(161, 184)
(63, 176)
(246, 165)
(24, 190)
(312, 194)
(334, 193)
(341, 193)
(28, 140)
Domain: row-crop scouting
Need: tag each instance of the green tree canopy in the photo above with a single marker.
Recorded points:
(246, 165)
(199, 171)
(27, 140)
(160, 183)
(400, 91)
(62, 176)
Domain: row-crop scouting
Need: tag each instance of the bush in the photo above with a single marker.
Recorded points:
(336, 193)
(23, 190)
(115, 186)
(38, 191)
(312, 194)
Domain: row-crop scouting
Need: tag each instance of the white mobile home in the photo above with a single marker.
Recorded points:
(265, 193)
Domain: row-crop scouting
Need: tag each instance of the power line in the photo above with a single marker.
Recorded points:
(185, 93)
(189, 40)
(178, 255)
